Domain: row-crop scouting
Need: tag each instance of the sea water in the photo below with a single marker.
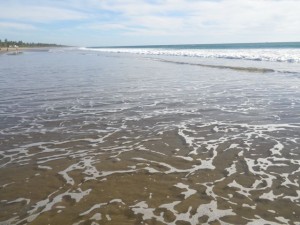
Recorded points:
(275, 52)
(148, 135)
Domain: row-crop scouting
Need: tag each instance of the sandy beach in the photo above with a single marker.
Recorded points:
(22, 49)
(4, 50)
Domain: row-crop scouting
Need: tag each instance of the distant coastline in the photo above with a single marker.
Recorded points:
(14, 47)
(17, 46)
(23, 49)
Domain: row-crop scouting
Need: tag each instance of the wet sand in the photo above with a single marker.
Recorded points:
(132, 180)
(20, 50)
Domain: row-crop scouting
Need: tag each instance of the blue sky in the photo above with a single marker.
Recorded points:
(145, 22)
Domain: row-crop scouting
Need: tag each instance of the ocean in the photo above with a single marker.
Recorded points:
(274, 52)
(187, 134)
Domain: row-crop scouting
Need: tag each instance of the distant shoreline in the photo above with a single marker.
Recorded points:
(23, 49)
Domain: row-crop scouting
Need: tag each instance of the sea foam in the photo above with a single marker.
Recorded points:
(271, 55)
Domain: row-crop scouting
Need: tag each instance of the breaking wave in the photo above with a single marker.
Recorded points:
(271, 55)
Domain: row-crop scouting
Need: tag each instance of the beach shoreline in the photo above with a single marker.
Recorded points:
(23, 49)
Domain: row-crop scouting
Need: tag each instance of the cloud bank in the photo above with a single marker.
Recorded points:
(134, 22)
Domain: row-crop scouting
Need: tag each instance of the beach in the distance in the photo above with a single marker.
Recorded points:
(139, 136)
(20, 50)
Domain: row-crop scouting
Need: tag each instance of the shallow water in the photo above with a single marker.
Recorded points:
(106, 138)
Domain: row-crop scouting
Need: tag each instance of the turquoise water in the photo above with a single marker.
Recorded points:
(288, 52)
(267, 45)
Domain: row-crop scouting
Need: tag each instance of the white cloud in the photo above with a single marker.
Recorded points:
(40, 14)
(16, 26)
(227, 13)
(169, 21)
(224, 17)
(104, 26)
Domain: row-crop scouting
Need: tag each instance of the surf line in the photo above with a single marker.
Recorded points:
(237, 68)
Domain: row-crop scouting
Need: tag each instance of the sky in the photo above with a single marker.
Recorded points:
(149, 22)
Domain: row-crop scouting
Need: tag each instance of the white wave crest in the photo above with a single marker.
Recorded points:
(272, 55)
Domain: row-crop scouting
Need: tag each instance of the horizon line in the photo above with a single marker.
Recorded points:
(229, 43)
